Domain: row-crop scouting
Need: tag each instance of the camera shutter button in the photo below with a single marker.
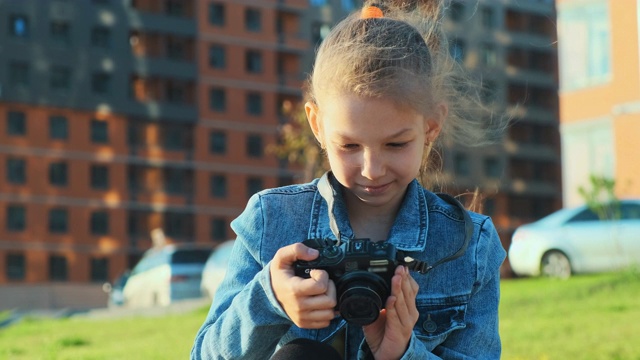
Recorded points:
(331, 252)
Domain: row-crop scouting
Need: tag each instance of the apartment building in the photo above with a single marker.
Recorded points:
(599, 94)
(118, 117)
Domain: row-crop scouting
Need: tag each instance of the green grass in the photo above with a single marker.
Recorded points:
(585, 317)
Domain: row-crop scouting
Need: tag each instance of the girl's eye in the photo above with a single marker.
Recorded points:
(398, 145)
(349, 146)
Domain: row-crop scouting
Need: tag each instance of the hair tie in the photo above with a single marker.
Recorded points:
(371, 11)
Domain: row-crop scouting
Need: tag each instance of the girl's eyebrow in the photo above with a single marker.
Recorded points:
(392, 136)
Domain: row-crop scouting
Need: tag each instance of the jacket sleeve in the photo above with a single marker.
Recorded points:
(480, 339)
(245, 319)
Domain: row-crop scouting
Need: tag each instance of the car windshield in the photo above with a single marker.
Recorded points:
(190, 256)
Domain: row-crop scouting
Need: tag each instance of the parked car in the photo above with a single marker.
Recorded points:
(215, 268)
(575, 240)
(114, 290)
(165, 274)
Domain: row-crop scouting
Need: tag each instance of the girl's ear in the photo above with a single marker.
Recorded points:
(311, 109)
(434, 124)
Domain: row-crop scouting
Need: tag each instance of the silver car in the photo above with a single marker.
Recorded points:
(215, 268)
(166, 274)
(576, 240)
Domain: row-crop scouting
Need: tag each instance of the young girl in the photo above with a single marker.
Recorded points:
(380, 95)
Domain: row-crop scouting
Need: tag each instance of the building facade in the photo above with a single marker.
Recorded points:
(118, 117)
(510, 46)
(599, 94)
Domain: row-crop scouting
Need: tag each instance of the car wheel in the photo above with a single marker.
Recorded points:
(555, 264)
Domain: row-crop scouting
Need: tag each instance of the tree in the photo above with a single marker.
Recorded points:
(297, 144)
(601, 197)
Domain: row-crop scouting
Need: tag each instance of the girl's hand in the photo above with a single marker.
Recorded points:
(309, 303)
(388, 337)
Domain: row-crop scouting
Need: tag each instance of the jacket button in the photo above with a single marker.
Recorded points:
(429, 325)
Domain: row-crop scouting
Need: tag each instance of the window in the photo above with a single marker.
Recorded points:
(99, 177)
(217, 99)
(492, 167)
(585, 215)
(217, 142)
(217, 58)
(489, 207)
(456, 11)
(16, 218)
(457, 50)
(175, 93)
(253, 61)
(175, 48)
(58, 220)
(218, 229)
(99, 223)
(488, 18)
(99, 131)
(177, 225)
(629, 211)
(60, 78)
(254, 103)
(489, 91)
(18, 73)
(174, 7)
(254, 146)
(58, 173)
(216, 14)
(16, 171)
(57, 268)
(15, 266)
(101, 37)
(254, 185)
(99, 269)
(584, 40)
(461, 164)
(175, 180)
(19, 26)
(101, 83)
(489, 55)
(252, 20)
(218, 185)
(16, 123)
(60, 32)
(58, 127)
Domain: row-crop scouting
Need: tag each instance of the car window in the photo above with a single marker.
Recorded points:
(630, 211)
(190, 256)
(584, 215)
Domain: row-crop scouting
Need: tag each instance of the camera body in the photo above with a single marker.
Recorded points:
(362, 272)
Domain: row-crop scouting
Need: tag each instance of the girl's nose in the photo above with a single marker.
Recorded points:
(373, 166)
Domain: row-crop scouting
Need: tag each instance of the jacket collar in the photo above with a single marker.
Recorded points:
(409, 230)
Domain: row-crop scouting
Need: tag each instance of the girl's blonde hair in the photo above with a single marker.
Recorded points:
(403, 56)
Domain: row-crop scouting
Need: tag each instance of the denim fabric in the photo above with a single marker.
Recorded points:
(457, 301)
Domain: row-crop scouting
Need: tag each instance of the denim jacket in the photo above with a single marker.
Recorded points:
(457, 300)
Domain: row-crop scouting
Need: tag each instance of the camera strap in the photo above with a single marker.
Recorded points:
(328, 193)
(422, 266)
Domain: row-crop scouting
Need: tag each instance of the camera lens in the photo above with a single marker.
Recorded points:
(361, 296)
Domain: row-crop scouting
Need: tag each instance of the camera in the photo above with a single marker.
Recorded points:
(362, 272)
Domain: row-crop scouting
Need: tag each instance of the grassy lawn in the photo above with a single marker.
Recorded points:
(585, 317)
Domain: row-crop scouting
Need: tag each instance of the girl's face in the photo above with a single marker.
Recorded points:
(374, 147)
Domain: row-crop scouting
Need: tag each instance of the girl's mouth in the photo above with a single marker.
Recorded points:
(375, 190)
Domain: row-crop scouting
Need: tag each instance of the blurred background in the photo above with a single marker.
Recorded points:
(129, 124)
